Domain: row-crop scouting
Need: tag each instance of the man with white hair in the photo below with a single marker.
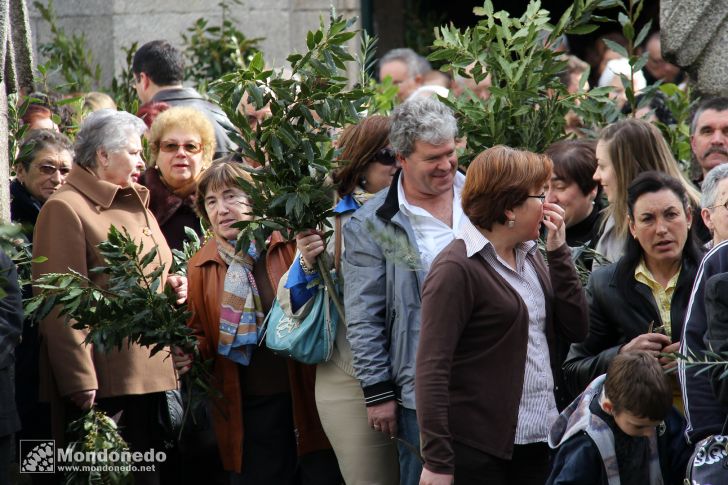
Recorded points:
(406, 68)
(714, 204)
(419, 214)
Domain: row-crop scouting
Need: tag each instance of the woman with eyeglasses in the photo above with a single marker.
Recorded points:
(367, 166)
(639, 302)
(492, 310)
(44, 160)
(264, 419)
(182, 143)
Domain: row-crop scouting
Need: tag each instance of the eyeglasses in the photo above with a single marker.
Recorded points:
(385, 156)
(171, 147)
(49, 170)
(541, 197)
(724, 204)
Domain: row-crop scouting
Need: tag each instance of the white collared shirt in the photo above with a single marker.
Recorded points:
(431, 233)
(537, 409)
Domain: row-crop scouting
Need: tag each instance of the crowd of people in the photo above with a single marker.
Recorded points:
(477, 357)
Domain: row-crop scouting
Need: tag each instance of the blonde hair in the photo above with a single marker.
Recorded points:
(185, 118)
(637, 146)
(94, 101)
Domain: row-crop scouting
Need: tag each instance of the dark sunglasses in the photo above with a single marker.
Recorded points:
(170, 147)
(385, 156)
(52, 169)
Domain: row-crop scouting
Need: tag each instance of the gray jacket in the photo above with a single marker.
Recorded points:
(382, 300)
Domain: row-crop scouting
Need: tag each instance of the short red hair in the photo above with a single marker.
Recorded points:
(501, 178)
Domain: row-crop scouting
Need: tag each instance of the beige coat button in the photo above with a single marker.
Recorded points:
(147, 232)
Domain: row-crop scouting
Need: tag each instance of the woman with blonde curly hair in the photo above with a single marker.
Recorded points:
(182, 143)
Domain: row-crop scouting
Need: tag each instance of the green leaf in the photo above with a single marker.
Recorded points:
(640, 62)
(616, 47)
(583, 29)
(643, 33)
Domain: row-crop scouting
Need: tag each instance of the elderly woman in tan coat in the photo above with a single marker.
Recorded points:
(99, 193)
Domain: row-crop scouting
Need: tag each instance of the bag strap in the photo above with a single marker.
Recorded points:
(337, 245)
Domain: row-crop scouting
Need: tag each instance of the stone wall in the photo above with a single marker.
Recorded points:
(110, 25)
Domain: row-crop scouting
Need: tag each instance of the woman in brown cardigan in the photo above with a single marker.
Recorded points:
(265, 400)
(491, 311)
(99, 193)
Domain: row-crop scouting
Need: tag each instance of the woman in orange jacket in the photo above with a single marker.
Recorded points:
(265, 414)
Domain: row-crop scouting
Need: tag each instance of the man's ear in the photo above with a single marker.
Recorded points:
(706, 216)
(144, 80)
(607, 406)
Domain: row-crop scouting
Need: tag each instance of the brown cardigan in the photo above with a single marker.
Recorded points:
(472, 350)
(70, 226)
(206, 279)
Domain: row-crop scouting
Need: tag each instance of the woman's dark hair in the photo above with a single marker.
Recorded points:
(359, 144)
(575, 161)
(38, 140)
(647, 183)
(223, 173)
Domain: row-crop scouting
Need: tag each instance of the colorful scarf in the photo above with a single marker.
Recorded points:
(241, 312)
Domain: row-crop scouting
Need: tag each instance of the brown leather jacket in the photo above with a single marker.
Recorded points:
(206, 278)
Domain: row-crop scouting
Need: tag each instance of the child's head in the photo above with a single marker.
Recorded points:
(638, 393)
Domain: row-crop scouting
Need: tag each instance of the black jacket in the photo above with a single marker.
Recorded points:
(11, 327)
(716, 309)
(705, 414)
(618, 312)
(24, 208)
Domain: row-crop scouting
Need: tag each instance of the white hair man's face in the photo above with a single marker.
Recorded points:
(716, 217)
(397, 70)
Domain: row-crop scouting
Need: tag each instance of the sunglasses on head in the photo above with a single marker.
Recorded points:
(385, 156)
(171, 147)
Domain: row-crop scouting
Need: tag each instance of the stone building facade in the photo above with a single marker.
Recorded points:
(110, 25)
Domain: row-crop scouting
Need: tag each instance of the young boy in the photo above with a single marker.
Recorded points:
(621, 430)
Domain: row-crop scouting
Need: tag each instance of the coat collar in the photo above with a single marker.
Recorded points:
(391, 203)
(390, 207)
(100, 192)
(208, 254)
